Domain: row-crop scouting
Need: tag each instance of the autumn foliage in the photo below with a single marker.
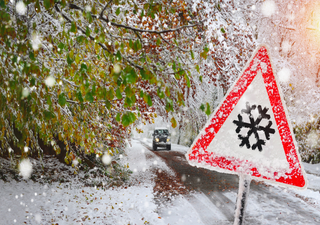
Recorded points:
(84, 73)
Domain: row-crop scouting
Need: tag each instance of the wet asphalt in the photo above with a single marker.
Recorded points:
(215, 186)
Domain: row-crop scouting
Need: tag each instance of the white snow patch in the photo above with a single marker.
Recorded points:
(25, 92)
(286, 46)
(36, 41)
(88, 8)
(268, 8)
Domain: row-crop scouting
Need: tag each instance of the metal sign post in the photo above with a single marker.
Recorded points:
(243, 192)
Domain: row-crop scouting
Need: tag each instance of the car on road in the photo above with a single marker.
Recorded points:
(161, 138)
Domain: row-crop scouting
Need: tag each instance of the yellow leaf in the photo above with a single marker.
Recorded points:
(174, 122)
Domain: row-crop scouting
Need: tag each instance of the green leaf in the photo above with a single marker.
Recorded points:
(143, 74)
(131, 76)
(49, 102)
(118, 117)
(200, 78)
(73, 27)
(83, 68)
(169, 105)
(80, 39)
(87, 32)
(31, 55)
(128, 91)
(208, 111)
(32, 81)
(118, 11)
(47, 4)
(118, 56)
(89, 96)
(132, 117)
(128, 102)
(133, 99)
(61, 46)
(48, 115)
(197, 68)
(174, 66)
(79, 96)
(110, 94)
(149, 101)
(141, 94)
(62, 99)
(137, 45)
(202, 107)
(222, 30)
(118, 94)
(192, 55)
(108, 104)
(94, 89)
(69, 60)
(187, 80)
(2, 4)
(37, 6)
(160, 93)
(125, 120)
(89, 17)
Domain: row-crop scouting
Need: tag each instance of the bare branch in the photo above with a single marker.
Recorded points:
(104, 8)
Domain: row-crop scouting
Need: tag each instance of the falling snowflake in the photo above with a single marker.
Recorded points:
(284, 75)
(50, 81)
(106, 158)
(254, 126)
(25, 168)
(21, 8)
(268, 8)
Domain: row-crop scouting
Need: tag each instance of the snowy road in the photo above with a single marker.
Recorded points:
(266, 204)
(211, 203)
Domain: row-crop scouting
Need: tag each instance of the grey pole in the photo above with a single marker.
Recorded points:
(243, 192)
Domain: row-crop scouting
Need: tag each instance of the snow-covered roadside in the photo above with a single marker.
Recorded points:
(32, 203)
(27, 202)
(311, 195)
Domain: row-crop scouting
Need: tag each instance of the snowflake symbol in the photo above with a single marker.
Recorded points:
(254, 126)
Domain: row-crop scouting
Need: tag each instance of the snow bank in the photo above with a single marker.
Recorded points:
(32, 203)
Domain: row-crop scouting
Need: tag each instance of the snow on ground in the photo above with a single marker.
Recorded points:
(31, 203)
(27, 202)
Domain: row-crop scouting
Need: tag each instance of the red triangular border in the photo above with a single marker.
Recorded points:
(198, 156)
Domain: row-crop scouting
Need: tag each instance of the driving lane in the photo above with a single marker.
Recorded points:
(221, 190)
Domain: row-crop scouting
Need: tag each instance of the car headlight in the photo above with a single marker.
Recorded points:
(168, 139)
(157, 139)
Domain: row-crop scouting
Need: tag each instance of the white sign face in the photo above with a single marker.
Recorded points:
(268, 156)
(249, 132)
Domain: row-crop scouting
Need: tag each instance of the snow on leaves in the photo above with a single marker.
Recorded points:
(254, 125)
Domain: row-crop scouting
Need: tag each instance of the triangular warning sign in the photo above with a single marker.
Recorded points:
(249, 132)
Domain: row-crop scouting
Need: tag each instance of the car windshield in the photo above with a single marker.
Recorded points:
(161, 132)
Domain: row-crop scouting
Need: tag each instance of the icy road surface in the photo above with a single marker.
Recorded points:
(266, 204)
